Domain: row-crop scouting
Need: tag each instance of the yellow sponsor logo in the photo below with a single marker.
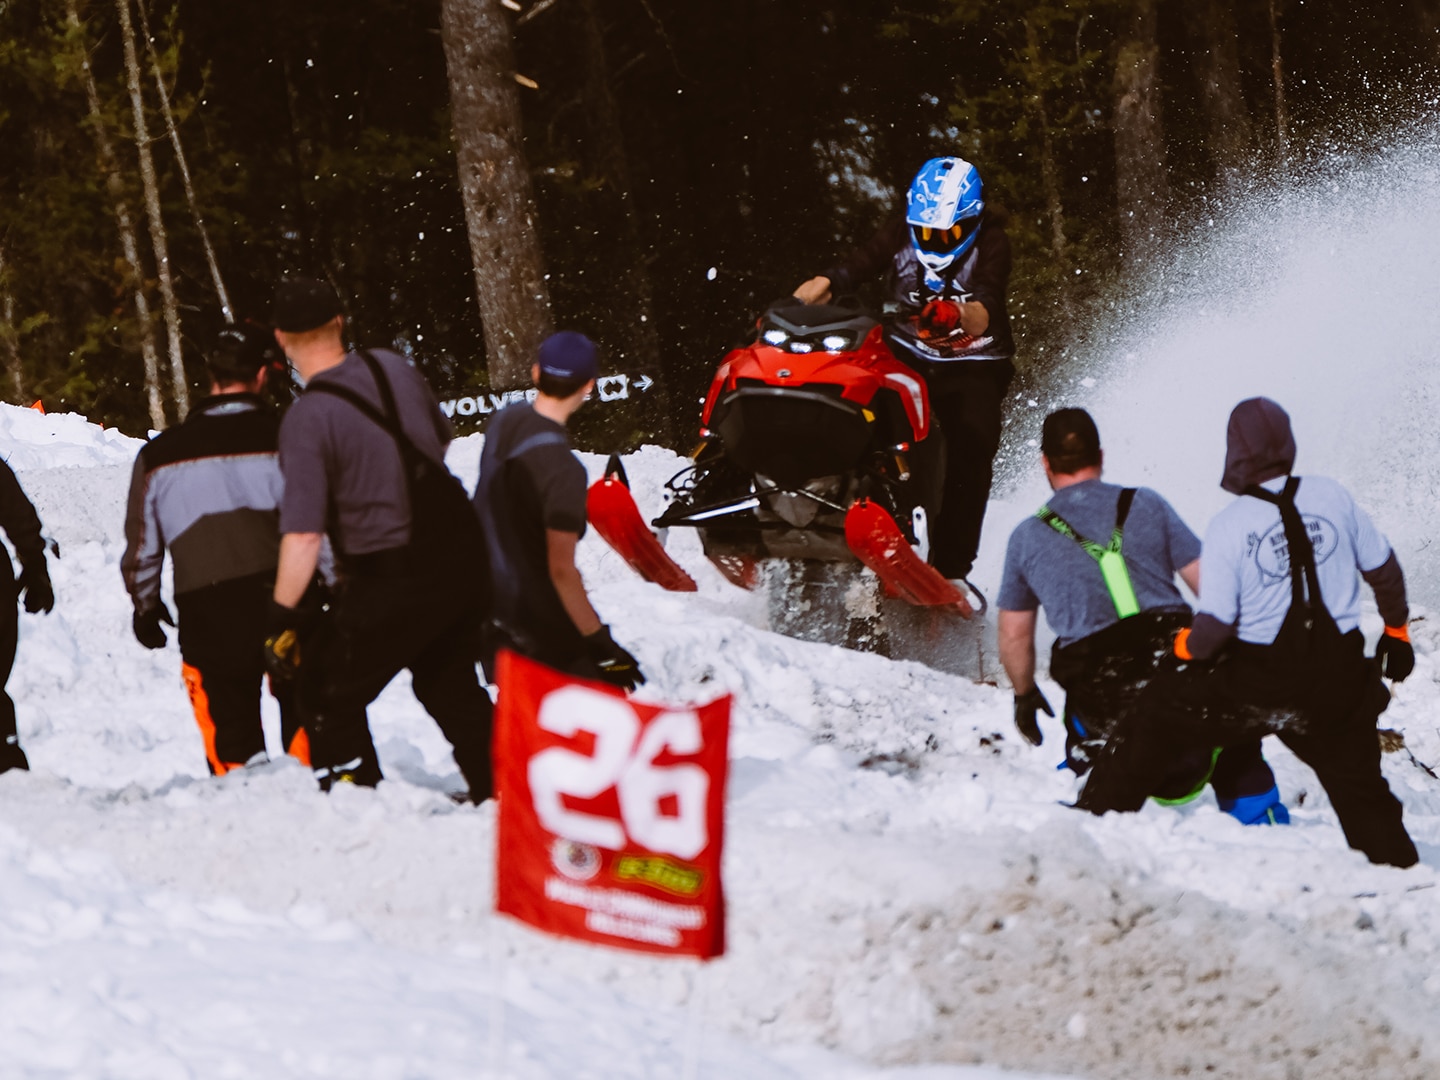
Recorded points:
(677, 878)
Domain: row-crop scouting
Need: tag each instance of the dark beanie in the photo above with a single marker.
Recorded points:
(303, 303)
(569, 355)
(1259, 445)
(1070, 440)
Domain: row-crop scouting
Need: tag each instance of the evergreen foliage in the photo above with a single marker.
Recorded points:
(759, 138)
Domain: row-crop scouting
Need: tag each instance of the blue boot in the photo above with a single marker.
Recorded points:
(1263, 809)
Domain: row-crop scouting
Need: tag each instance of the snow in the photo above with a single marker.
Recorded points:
(908, 898)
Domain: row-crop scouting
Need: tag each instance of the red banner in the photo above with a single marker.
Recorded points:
(612, 813)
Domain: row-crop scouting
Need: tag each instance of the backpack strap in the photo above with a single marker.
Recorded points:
(1108, 556)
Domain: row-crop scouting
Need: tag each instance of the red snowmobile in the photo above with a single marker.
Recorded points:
(817, 445)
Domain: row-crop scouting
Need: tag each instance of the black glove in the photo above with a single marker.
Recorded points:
(34, 579)
(1396, 655)
(617, 666)
(147, 626)
(1025, 706)
(282, 642)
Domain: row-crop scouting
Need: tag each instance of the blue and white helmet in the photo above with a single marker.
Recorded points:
(945, 204)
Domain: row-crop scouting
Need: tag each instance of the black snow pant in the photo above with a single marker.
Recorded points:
(11, 756)
(1248, 693)
(380, 623)
(222, 628)
(967, 402)
(1104, 675)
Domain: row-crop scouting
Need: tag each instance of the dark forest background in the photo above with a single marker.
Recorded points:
(690, 160)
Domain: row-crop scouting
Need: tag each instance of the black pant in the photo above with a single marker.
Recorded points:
(221, 630)
(377, 626)
(1248, 693)
(11, 756)
(967, 402)
(1104, 675)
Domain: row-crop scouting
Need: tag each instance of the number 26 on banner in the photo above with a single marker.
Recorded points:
(662, 807)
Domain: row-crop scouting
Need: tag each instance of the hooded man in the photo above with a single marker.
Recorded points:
(1276, 645)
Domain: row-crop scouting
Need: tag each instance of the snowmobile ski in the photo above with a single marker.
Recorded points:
(612, 510)
(876, 540)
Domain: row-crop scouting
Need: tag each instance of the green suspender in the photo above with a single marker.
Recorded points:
(1112, 563)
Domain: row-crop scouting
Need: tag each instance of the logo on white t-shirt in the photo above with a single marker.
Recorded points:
(1271, 551)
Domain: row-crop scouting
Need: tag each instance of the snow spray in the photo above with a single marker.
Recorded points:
(1321, 294)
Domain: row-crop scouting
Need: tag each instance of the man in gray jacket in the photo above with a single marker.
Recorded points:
(209, 490)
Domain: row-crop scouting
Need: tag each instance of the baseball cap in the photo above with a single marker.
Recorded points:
(569, 355)
(242, 350)
(303, 303)
(1070, 440)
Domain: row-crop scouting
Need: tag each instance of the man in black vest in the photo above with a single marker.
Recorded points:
(531, 499)
(362, 452)
(1102, 561)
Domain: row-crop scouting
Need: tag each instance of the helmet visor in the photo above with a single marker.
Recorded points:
(943, 241)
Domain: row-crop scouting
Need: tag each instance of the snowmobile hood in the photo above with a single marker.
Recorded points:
(1259, 445)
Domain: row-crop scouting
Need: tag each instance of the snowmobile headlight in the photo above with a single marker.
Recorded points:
(835, 342)
(801, 347)
(775, 337)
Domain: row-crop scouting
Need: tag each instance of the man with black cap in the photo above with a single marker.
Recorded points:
(531, 499)
(1102, 561)
(1276, 646)
(22, 526)
(362, 452)
(209, 490)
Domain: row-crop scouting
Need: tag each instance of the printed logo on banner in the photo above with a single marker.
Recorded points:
(611, 813)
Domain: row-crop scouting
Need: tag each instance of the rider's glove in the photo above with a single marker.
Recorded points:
(1026, 705)
(939, 318)
(34, 579)
(616, 665)
(1395, 653)
(146, 625)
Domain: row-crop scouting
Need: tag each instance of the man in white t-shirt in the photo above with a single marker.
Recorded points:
(1267, 654)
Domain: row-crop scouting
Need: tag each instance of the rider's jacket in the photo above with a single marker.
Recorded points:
(983, 275)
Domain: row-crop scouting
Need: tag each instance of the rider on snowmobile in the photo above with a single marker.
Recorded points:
(949, 269)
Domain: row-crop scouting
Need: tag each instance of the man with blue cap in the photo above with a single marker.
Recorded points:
(531, 501)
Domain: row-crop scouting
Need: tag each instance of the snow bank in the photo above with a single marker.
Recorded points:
(905, 889)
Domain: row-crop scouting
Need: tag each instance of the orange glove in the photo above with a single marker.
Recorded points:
(1182, 644)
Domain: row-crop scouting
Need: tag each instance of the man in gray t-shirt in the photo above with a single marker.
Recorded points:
(1102, 561)
(362, 455)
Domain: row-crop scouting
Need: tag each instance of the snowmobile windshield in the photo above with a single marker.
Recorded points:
(943, 241)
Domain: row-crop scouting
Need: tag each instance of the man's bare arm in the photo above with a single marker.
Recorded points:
(569, 585)
(1017, 648)
(1190, 574)
(299, 556)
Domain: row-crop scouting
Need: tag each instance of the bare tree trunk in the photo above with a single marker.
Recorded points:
(1049, 169)
(495, 182)
(1282, 114)
(129, 245)
(174, 131)
(1143, 186)
(10, 334)
(151, 186)
(1229, 137)
(606, 140)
